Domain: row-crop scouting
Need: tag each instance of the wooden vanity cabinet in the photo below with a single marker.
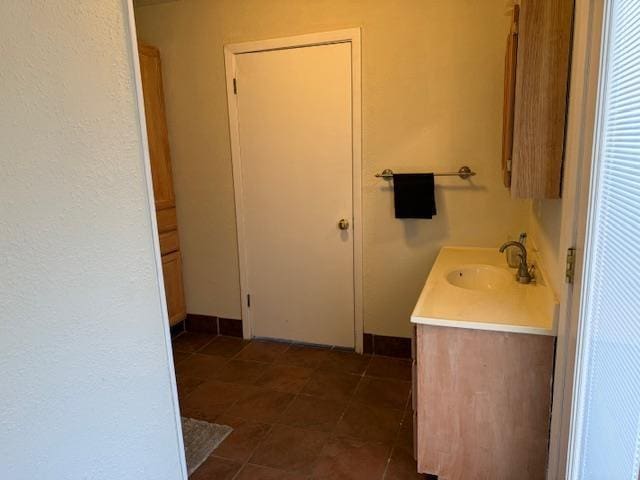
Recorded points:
(535, 97)
(481, 403)
(165, 200)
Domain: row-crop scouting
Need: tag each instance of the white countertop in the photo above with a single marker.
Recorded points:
(513, 307)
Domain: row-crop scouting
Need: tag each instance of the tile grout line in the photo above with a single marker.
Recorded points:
(332, 434)
(408, 402)
(399, 430)
(253, 451)
(271, 426)
(266, 434)
(394, 446)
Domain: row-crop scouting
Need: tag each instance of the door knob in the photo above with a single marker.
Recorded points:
(343, 224)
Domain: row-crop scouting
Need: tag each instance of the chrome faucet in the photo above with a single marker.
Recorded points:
(523, 275)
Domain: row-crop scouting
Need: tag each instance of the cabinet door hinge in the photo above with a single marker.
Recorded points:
(570, 270)
(235, 86)
(248, 300)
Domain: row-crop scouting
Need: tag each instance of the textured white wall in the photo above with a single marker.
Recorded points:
(86, 373)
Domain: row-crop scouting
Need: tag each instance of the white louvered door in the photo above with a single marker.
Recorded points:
(605, 441)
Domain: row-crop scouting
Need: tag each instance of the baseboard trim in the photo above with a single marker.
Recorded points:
(230, 327)
(373, 344)
(196, 322)
(386, 346)
(201, 323)
(177, 329)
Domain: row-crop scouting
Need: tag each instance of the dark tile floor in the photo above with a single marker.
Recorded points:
(298, 412)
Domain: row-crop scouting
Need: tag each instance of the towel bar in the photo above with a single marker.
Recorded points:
(464, 173)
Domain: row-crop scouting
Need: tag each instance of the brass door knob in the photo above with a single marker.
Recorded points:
(343, 224)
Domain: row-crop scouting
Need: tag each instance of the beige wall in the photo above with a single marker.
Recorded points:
(544, 230)
(432, 101)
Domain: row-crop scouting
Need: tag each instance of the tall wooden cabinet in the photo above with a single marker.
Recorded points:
(165, 200)
(535, 97)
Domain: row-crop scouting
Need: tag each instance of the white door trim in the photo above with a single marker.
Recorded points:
(132, 41)
(352, 36)
(585, 78)
(587, 216)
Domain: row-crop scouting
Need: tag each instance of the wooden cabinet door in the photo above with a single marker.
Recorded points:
(509, 97)
(172, 270)
(157, 133)
(485, 402)
(544, 47)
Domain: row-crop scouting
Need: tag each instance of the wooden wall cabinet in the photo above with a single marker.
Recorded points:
(535, 97)
(481, 402)
(165, 200)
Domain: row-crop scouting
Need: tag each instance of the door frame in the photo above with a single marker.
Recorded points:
(588, 201)
(352, 36)
(579, 151)
(132, 44)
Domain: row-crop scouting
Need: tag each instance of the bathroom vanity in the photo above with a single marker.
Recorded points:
(483, 366)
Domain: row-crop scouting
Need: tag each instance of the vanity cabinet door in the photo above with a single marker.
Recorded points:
(484, 402)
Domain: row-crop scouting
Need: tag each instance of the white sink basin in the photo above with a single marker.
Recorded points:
(474, 288)
(480, 277)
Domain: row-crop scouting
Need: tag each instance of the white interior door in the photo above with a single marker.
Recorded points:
(294, 109)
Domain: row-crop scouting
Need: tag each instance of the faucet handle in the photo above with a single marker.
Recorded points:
(532, 273)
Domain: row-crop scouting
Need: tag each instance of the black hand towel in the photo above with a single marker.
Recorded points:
(414, 195)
